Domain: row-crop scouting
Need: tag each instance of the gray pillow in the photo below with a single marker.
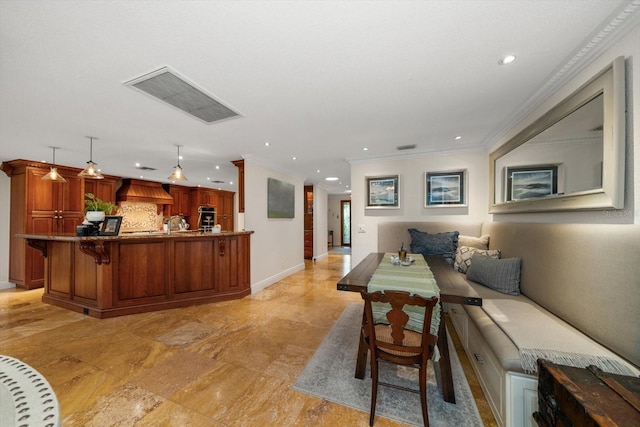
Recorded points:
(502, 275)
(443, 244)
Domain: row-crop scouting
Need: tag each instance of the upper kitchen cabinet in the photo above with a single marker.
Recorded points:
(43, 207)
(181, 200)
(104, 189)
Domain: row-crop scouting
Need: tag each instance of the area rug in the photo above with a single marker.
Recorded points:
(330, 375)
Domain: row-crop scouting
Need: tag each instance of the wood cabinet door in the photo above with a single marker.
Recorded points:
(34, 262)
(70, 194)
(182, 202)
(41, 195)
(224, 211)
(227, 254)
(67, 223)
(104, 189)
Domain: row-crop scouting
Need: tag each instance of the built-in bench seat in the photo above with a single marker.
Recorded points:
(580, 277)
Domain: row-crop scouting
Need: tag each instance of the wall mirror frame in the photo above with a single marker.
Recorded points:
(610, 83)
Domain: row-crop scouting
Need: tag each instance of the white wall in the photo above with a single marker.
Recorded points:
(411, 195)
(5, 192)
(277, 246)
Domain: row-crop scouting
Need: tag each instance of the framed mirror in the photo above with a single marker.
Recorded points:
(571, 158)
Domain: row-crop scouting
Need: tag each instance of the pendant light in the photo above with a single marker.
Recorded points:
(177, 174)
(53, 174)
(91, 171)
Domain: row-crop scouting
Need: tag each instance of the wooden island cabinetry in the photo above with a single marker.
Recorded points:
(110, 276)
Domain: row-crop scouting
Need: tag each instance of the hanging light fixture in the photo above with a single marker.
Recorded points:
(177, 174)
(53, 174)
(91, 171)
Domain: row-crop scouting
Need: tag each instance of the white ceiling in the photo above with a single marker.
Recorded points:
(319, 80)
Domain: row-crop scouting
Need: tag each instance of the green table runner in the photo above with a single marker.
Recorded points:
(416, 278)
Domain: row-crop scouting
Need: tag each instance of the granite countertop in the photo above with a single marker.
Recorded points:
(139, 235)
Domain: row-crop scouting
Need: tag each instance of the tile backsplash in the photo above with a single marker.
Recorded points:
(137, 216)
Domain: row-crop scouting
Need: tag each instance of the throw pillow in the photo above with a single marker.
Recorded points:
(481, 242)
(465, 253)
(502, 275)
(444, 244)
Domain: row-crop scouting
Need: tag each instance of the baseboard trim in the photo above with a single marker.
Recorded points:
(263, 284)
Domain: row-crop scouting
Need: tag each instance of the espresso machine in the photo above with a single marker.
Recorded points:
(206, 218)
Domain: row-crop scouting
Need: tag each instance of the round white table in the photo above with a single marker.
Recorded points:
(26, 398)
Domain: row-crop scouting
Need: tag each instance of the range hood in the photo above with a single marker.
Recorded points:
(135, 190)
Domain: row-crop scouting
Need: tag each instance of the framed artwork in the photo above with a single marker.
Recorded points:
(280, 199)
(531, 182)
(111, 226)
(382, 192)
(445, 189)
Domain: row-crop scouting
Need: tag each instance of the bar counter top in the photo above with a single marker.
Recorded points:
(132, 235)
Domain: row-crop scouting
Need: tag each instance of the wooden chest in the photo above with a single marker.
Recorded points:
(570, 396)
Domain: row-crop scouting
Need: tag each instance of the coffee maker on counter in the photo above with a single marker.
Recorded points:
(206, 218)
(88, 228)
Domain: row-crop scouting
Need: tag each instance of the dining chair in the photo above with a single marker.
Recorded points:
(390, 340)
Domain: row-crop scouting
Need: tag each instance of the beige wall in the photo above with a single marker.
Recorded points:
(630, 49)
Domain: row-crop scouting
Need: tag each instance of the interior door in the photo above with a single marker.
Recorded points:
(345, 221)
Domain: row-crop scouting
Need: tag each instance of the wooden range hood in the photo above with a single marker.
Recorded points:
(136, 190)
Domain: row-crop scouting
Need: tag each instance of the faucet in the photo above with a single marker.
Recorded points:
(171, 218)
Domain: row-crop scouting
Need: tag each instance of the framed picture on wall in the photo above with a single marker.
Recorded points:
(382, 192)
(531, 182)
(445, 189)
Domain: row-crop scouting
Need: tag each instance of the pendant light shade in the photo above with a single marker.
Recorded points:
(91, 171)
(177, 174)
(53, 174)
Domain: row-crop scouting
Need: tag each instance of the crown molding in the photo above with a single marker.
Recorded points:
(614, 28)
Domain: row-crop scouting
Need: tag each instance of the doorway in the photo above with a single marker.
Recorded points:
(345, 222)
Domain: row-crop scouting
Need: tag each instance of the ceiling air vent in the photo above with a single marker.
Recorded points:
(166, 85)
(406, 147)
(145, 168)
(217, 181)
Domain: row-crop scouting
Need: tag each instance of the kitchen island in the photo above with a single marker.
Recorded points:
(108, 276)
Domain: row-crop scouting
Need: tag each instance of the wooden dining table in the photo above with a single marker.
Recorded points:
(452, 290)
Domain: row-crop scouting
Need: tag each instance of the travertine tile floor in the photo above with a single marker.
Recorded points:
(223, 364)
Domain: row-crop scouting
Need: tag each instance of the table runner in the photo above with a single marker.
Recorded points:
(416, 278)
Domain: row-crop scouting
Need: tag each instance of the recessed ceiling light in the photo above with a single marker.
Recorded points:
(294, 158)
(458, 137)
(507, 60)
(230, 182)
(217, 167)
(365, 149)
(318, 171)
(208, 178)
(331, 178)
(267, 143)
(137, 165)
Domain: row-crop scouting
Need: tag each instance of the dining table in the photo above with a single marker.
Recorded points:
(429, 275)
